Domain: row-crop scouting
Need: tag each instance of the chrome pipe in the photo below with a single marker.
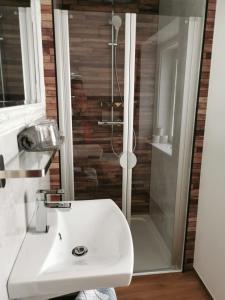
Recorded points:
(112, 73)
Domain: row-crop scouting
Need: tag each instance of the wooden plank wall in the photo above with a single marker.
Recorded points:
(99, 174)
(144, 97)
(50, 79)
(137, 6)
(97, 171)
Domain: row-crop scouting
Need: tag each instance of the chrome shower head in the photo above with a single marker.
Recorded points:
(116, 23)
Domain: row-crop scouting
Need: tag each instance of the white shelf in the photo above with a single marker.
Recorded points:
(166, 148)
(28, 165)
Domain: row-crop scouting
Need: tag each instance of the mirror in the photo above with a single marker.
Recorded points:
(19, 67)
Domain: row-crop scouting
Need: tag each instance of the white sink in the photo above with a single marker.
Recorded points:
(45, 266)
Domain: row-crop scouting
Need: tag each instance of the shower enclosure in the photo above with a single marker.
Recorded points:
(127, 76)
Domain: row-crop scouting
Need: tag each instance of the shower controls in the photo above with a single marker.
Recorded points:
(107, 104)
(109, 123)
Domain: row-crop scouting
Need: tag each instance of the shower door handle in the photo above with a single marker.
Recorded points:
(128, 160)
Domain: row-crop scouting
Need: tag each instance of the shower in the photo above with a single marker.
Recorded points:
(130, 70)
(116, 23)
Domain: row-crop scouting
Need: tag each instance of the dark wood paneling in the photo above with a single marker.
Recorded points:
(100, 175)
(135, 6)
(174, 286)
(145, 70)
(15, 3)
(50, 79)
(97, 171)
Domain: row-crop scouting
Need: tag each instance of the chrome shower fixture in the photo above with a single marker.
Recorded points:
(75, 76)
(116, 22)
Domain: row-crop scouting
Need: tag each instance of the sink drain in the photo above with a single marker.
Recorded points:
(80, 251)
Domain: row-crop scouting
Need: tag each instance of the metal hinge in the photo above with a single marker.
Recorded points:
(2, 168)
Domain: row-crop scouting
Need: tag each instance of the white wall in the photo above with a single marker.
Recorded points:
(17, 199)
(16, 209)
(209, 260)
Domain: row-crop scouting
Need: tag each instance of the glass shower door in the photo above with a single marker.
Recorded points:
(95, 77)
(97, 104)
(167, 59)
(129, 86)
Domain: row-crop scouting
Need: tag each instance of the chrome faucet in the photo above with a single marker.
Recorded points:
(43, 203)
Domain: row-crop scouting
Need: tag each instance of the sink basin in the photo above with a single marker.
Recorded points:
(45, 266)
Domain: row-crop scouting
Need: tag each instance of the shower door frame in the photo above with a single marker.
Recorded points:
(65, 112)
(189, 108)
(128, 115)
(61, 26)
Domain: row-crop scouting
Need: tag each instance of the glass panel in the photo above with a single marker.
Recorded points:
(164, 52)
(168, 48)
(97, 146)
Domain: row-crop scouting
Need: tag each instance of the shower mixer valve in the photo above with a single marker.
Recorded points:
(110, 123)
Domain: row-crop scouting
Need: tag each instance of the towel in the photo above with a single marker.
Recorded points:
(100, 294)
(28, 139)
(41, 136)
